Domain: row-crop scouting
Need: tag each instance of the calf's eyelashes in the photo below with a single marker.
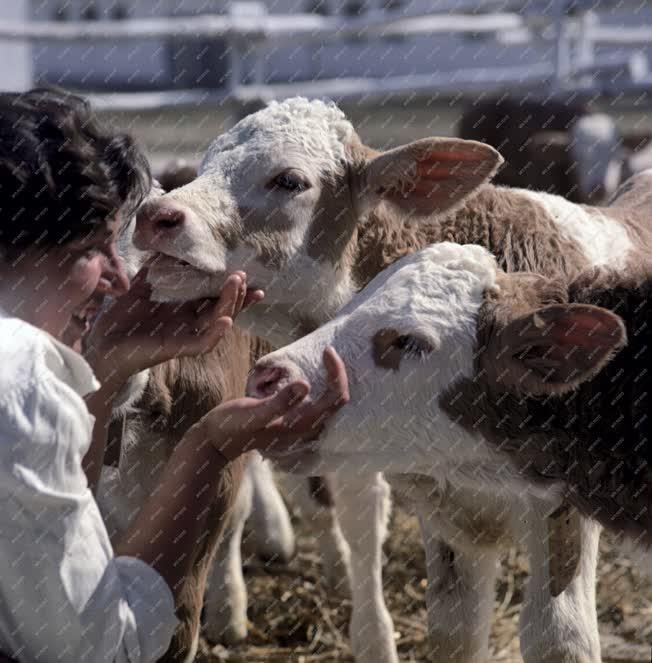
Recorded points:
(389, 347)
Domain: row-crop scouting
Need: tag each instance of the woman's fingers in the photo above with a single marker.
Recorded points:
(337, 391)
(275, 442)
(311, 416)
(242, 293)
(229, 295)
(252, 297)
(266, 410)
(211, 315)
(153, 332)
(139, 285)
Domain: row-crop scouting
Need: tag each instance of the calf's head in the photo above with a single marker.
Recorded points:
(281, 195)
(435, 321)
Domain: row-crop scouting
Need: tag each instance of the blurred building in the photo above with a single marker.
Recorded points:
(146, 64)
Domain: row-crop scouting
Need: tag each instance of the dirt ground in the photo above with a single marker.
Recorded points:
(294, 616)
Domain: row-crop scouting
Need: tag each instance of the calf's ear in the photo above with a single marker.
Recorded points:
(554, 349)
(428, 176)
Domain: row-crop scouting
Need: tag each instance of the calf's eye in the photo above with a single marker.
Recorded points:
(289, 180)
(412, 345)
(390, 347)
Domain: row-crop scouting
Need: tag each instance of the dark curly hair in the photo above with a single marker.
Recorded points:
(61, 173)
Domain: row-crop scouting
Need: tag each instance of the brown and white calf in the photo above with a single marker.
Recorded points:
(176, 394)
(457, 366)
(560, 146)
(157, 407)
(165, 402)
(292, 196)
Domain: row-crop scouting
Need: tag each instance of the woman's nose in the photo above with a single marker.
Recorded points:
(115, 277)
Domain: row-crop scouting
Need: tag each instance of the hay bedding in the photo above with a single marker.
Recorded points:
(295, 617)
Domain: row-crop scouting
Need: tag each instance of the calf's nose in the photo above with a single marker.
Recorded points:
(266, 379)
(158, 219)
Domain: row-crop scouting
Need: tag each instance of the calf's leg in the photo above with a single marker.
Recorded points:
(225, 600)
(185, 641)
(269, 520)
(362, 505)
(559, 623)
(460, 591)
(314, 500)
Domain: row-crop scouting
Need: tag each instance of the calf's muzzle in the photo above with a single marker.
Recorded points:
(158, 219)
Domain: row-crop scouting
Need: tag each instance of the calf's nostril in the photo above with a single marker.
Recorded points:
(267, 381)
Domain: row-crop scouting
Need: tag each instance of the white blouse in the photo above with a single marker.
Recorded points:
(64, 596)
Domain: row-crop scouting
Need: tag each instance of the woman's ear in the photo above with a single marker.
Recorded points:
(554, 349)
(428, 176)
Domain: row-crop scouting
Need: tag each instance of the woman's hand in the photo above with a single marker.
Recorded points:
(276, 423)
(134, 333)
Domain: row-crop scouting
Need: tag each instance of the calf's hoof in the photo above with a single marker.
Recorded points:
(275, 550)
(372, 639)
(225, 633)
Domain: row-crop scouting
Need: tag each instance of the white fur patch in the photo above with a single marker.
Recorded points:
(394, 422)
(604, 241)
(319, 129)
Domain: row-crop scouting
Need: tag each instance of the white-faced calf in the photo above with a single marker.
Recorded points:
(456, 366)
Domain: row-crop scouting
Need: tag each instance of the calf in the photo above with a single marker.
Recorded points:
(176, 395)
(455, 365)
(144, 427)
(292, 196)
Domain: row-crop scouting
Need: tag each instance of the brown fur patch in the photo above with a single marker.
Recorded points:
(178, 394)
(516, 229)
(333, 223)
(596, 439)
(564, 547)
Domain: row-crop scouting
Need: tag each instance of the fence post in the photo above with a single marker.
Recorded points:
(235, 54)
(256, 11)
(585, 56)
(562, 46)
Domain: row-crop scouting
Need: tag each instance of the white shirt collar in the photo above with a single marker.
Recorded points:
(69, 365)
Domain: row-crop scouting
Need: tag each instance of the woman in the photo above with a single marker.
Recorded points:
(66, 189)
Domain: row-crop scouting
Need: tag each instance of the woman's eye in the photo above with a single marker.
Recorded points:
(412, 345)
(290, 182)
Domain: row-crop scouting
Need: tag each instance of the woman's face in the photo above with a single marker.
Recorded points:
(69, 283)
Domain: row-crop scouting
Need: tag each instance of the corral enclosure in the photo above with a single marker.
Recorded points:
(293, 615)
(186, 132)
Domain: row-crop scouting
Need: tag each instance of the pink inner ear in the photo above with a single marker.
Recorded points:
(435, 173)
(444, 165)
(586, 329)
(452, 155)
